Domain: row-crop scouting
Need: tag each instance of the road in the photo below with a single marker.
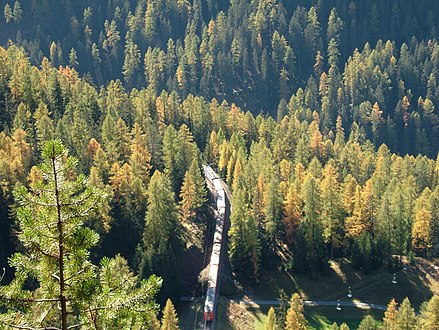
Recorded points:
(314, 303)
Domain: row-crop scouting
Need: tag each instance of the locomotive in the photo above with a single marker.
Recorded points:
(214, 263)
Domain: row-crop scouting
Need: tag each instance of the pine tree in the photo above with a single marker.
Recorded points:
(295, 318)
(406, 317)
(128, 302)
(270, 321)
(169, 319)
(66, 286)
(51, 220)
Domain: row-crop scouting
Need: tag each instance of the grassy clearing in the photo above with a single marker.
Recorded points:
(376, 288)
(324, 317)
(239, 317)
(419, 283)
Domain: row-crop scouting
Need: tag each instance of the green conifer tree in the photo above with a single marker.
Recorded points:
(429, 314)
(406, 317)
(55, 285)
(368, 323)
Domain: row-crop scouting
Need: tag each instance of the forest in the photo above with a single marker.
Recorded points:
(322, 117)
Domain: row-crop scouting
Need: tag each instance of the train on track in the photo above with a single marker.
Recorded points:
(212, 293)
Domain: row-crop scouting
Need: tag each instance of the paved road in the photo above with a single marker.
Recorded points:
(314, 303)
(311, 303)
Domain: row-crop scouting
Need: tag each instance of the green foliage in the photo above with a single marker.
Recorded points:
(244, 250)
(429, 314)
(281, 311)
(55, 284)
(406, 317)
(161, 237)
(368, 323)
(8, 13)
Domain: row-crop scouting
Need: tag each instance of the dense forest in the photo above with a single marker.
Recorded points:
(322, 117)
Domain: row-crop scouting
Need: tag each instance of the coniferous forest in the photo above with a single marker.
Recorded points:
(321, 116)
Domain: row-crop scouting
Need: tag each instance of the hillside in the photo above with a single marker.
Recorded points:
(322, 118)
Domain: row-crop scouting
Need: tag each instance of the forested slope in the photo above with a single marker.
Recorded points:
(344, 57)
(323, 120)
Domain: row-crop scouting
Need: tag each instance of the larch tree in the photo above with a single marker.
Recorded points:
(292, 213)
(355, 224)
(270, 321)
(331, 208)
(140, 157)
(18, 12)
(344, 326)
(295, 318)
(187, 195)
(422, 222)
(193, 192)
(169, 319)
(390, 315)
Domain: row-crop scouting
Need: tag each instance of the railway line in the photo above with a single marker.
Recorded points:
(220, 193)
(223, 201)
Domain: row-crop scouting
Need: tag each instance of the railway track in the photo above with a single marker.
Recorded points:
(221, 193)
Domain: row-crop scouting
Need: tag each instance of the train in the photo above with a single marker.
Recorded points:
(215, 258)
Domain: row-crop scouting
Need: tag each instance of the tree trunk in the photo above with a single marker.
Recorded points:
(61, 249)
